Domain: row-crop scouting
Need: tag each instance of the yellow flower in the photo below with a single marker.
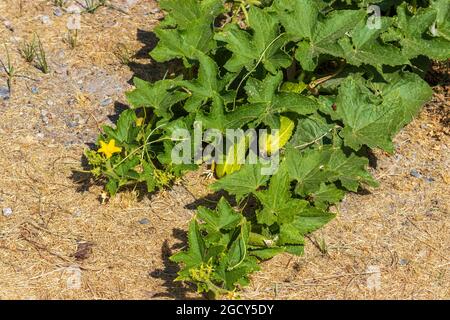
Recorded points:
(108, 149)
(139, 122)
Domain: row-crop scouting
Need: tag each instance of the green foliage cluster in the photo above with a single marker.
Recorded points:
(347, 87)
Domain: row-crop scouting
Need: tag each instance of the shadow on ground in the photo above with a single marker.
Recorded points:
(174, 289)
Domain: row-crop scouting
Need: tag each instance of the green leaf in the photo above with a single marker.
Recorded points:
(312, 219)
(299, 18)
(308, 221)
(238, 249)
(126, 130)
(149, 177)
(263, 46)
(243, 182)
(290, 235)
(442, 26)
(194, 256)
(125, 168)
(159, 96)
(405, 94)
(194, 20)
(308, 168)
(266, 103)
(416, 38)
(224, 218)
(310, 130)
(276, 201)
(239, 275)
(372, 121)
(267, 253)
(112, 186)
(318, 33)
(351, 170)
(363, 46)
(327, 194)
(208, 85)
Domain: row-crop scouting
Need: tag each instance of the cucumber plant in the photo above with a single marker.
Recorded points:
(332, 81)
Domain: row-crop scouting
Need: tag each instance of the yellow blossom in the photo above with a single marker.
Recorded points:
(108, 149)
(139, 122)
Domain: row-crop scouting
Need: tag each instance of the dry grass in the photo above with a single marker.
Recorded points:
(402, 228)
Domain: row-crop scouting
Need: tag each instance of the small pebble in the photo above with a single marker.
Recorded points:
(144, 221)
(15, 39)
(74, 9)
(403, 262)
(77, 213)
(7, 212)
(106, 102)
(58, 12)
(8, 25)
(34, 90)
(4, 93)
(72, 124)
(46, 20)
(415, 173)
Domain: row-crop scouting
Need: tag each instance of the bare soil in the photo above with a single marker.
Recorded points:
(386, 243)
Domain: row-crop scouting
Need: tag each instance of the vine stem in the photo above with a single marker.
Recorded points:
(256, 66)
(317, 139)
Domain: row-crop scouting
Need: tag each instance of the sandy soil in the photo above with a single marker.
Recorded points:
(387, 243)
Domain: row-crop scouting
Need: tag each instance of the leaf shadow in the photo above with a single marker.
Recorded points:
(174, 289)
(210, 201)
(144, 66)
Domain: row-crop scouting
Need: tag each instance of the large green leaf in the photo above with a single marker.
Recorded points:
(194, 256)
(266, 102)
(308, 168)
(371, 119)
(193, 20)
(351, 170)
(318, 33)
(243, 182)
(160, 96)
(363, 46)
(277, 203)
(263, 46)
(415, 34)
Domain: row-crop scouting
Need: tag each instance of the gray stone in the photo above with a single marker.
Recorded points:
(72, 124)
(77, 213)
(7, 212)
(415, 173)
(106, 102)
(403, 262)
(58, 12)
(8, 25)
(144, 221)
(4, 93)
(46, 20)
